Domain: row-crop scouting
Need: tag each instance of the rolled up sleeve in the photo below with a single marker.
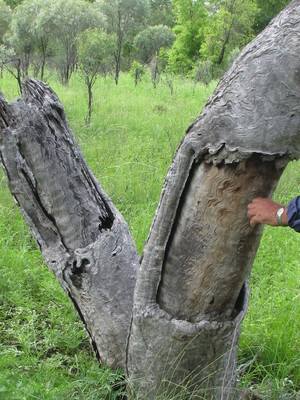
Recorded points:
(293, 214)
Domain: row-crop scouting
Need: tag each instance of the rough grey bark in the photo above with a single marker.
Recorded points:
(174, 322)
(82, 237)
(192, 291)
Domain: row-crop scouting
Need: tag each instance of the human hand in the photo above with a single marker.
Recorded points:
(263, 211)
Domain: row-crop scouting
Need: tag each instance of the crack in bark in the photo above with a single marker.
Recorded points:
(42, 208)
(4, 113)
(92, 340)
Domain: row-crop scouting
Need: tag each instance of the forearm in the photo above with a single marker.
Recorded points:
(266, 211)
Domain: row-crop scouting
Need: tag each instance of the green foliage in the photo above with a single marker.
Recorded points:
(20, 42)
(13, 3)
(137, 71)
(44, 28)
(202, 72)
(44, 31)
(5, 18)
(268, 9)
(149, 41)
(72, 17)
(22, 38)
(124, 18)
(94, 47)
(41, 28)
(149, 44)
(190, 21)
(6, 55)
(161, 13)
(123, 15)
(229, 25)
(43, 25)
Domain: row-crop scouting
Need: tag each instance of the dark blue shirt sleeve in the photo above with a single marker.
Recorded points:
(293, 214)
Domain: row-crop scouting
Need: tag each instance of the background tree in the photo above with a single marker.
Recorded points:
(229, 25)
(161, 13)
(21, 36)
(173, 322)
(267, 9)
(94, 48)
(7, 58)
(13, 3)
(136, 71)
(149, 42)
(43, 29)
(123, 17)
(189, 30)
(71, 18)
(205, 30)
(203, 72)
(5, 18)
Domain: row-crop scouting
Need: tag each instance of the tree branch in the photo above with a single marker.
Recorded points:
(71, 218)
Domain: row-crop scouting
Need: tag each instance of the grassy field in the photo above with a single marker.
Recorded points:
(45, 353)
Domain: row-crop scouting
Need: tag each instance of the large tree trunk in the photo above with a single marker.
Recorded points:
(173, 323)
(192, 291)
(82, 237)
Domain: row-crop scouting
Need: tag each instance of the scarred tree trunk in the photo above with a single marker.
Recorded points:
(172, 323)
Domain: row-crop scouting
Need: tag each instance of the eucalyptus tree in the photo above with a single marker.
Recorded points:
(71, 18)
(122, 18)
(43, 30)
(172, 320)
(21, 36)
(161, 13)
(20, 43)
(94, 47)
(149, 43)
(190, 17)
(7, 59)
(267, 9)
(229, 25)
(5, 18)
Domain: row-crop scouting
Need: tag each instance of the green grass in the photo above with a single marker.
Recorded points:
(45, 353)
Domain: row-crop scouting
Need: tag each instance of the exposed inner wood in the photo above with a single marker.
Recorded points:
(212, 246)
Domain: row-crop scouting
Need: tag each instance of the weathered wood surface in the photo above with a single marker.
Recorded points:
(82, 237)
(192, 291)
(192, 288)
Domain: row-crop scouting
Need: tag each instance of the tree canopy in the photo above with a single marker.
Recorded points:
(124, 17)
(204, 32)
(5, 17)
(190, 21)
(94, 48)
(151, 40)
(229, 25)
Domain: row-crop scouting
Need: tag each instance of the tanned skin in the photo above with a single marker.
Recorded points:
(263, 211)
